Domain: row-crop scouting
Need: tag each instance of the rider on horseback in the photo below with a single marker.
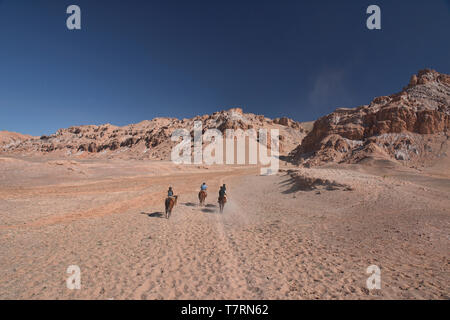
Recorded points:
(202, 194)
(222, 197)
(223, 191)
(170, 192)
(170, 202)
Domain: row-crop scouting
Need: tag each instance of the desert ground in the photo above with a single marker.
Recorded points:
(274, 240)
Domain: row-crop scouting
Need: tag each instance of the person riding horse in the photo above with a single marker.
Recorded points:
(170, 202)
(202, 194)
(223, 191)
(222, 197)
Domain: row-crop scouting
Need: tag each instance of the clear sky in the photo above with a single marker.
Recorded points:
(135, 60)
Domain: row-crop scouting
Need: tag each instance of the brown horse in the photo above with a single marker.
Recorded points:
(170, 203)
(202, 197)
(222, 201)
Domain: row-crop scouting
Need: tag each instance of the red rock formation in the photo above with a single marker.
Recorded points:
(147, 139)
(423, 107)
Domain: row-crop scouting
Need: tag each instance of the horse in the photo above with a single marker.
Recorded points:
(202, 196)
(222, 201)
(170, 203)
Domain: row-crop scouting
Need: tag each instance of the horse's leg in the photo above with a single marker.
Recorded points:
(172, 204)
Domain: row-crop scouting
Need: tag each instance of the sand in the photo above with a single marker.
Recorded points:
(273, 241)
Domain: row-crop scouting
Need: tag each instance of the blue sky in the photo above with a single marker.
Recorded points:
(136, 60)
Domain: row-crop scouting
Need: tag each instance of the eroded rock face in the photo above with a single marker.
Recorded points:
(421, 108)
(284, 121)
(11, 139)
(147, 139)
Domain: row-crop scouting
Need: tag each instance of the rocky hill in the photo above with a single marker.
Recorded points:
(410, 126)
(11, 138)
(149, 139)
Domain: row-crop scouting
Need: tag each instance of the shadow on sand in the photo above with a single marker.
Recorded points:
(290, 186)
(190, 204)
(206, 210)
(154, 214)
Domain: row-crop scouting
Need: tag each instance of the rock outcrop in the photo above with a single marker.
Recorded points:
(397, 127)
(11, 139)
(149, 139)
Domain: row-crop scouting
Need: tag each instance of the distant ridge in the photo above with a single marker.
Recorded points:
(148, 139)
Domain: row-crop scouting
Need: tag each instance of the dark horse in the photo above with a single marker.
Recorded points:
(222, 201)
(170, 203)
(202, 197)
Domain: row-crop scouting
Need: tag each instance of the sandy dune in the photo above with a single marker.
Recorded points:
(272, 242)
